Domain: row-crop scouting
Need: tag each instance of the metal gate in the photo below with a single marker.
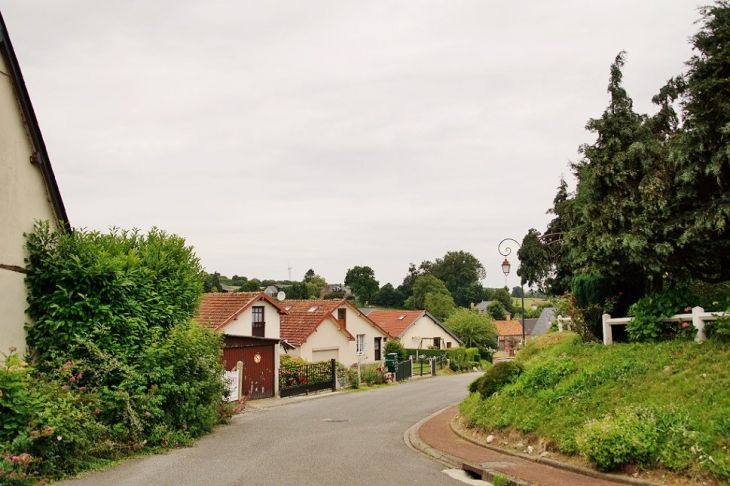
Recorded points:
(307, 378)
(258, 364)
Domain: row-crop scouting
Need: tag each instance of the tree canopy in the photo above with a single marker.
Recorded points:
(361, 281)
(472, 328)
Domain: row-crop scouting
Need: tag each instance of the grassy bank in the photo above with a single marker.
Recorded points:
(663, 405)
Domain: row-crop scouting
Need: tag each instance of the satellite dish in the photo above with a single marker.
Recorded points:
(281, 295)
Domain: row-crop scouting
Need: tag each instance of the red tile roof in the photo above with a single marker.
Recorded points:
(395, 322)
(508, 328)
(218, 309)
(299, 322)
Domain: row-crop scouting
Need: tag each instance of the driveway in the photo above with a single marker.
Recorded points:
(340, 439)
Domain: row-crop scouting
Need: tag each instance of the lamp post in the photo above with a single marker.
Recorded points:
(505, 269)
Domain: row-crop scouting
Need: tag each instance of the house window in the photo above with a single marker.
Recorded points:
(448, 344)
(437, 342)
(258, 325)
(360, 344)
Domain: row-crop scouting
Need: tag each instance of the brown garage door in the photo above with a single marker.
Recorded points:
(258, 364)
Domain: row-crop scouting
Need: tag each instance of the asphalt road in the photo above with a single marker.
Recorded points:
(340, 439)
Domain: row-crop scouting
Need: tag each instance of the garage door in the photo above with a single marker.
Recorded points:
(325, 354)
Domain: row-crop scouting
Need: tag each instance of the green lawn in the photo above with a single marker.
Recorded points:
(679, 390)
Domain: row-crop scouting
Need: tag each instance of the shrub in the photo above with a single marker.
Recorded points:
(49, 427)
(497, 377)
(629, 436)
(545, 375)
(649, 314)
(395, 346)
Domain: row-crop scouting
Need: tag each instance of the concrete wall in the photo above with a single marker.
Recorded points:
(23, 199)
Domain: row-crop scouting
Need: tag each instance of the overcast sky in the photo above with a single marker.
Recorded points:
(331, 134)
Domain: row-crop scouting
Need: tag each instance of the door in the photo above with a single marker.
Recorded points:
(376, 348)
(258, 369)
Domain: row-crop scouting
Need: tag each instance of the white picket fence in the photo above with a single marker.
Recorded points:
(697, 318)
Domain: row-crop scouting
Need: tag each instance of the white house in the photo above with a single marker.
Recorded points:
(416, 329)
(251, 323)
(331, 329)
(28, 192)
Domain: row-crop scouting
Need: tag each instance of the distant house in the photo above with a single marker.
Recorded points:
(28, 192)
(251, 323)
(320, 330)
(547, 316)
(508, 332)
(482, 306)
(339, 288)
(416, 329)
(530, 326)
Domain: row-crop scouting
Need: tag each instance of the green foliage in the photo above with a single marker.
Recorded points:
(472, 328)
(362, 282)
(120, 365)
(627, 436)
(620, 404)
(495, 309)
(388, 296)
(462, 359)
(50, 423)
(212, 282)
(649, 314)
(395, 346)
(315, 285)
(110, 289)
(424, 285)
(496, 378)
(297, 291)
(441, 306)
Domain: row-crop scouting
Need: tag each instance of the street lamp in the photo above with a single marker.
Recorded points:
(505, 269)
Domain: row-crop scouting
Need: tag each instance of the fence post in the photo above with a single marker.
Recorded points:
(699, 324)
(239, 368)
(560, 323)
(334, 374)
(607, 332)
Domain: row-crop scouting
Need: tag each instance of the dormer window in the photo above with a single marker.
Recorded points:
(402, 317)
(313, 308)
(288, 308)
(342, 317)
(258, 325)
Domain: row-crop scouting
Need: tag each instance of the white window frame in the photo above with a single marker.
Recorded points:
(360, 344)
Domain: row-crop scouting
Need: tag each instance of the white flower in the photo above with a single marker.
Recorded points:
(59, 437)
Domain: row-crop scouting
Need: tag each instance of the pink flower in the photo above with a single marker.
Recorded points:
(72, 379)
(147, 414)
(685, 324)
(109, 443)
(64, 387)
(97, 411)
(67, 364)
(185, 427)
(79, 376)
(15, 459)
(22, 475)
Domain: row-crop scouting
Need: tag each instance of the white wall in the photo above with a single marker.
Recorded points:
(425, 327)
(327, 336)
(242, 325)
(357, 324)
(23, 199)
